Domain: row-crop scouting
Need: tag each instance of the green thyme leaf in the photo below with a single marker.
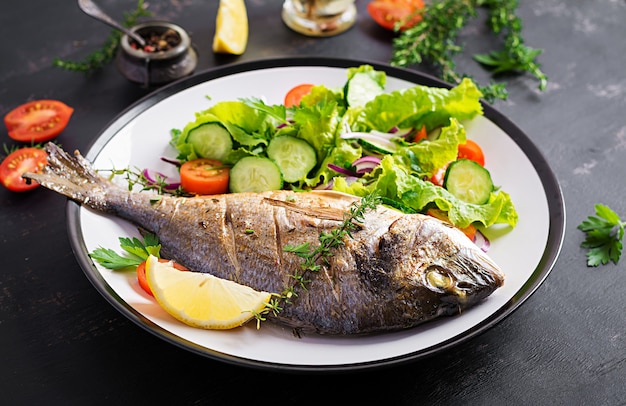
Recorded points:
(434, 41)
(106, 53)
(320, 253)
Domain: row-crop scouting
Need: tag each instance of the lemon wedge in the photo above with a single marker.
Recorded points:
(231, 27)
(202, 300)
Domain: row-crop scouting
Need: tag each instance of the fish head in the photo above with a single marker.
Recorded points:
(440, 262)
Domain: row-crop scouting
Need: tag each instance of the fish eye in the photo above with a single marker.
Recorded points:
(438, 279)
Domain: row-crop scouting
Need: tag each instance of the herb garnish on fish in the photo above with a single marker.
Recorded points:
(396, 271)
(328, 240)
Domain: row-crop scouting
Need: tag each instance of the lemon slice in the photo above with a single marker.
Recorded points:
(202, 300)
(231, 27)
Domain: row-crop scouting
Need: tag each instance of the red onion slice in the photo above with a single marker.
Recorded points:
(157, 178)
(366, 164)
(481, 241)
(341, 170)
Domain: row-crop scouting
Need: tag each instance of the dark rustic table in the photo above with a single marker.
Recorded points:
(62, 343)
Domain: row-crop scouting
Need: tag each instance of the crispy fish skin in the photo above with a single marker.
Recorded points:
(397, 270)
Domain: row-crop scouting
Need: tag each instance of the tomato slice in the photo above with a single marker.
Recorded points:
(471, 150)
(17, 163)
(439, 175)
(141, 274)
(295, 95)
(37, 121)
(391, 13)
(204, 176)
(421, 134)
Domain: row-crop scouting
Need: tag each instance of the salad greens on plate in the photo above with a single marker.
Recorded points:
(343, 126)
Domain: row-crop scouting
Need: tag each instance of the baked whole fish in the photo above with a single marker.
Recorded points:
(395, 271)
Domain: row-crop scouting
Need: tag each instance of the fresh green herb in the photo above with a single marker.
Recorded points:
(138, 252)
(434, 41)
(312, 256)
(102, 56)
(155, 199)
(9, 149)
(135, 177)
(605, 232)
(278, 111)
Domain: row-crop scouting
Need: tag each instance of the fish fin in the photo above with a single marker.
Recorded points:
(324, 213)
(333, 194)
(71, 176)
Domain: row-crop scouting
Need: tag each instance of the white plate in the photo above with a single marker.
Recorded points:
(140, 136)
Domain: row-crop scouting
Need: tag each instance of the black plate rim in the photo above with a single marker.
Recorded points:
(556, 207)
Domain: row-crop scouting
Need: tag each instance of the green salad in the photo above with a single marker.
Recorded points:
(357, 139)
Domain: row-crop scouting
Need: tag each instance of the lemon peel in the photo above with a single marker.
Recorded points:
(203, 300)
(231, 27)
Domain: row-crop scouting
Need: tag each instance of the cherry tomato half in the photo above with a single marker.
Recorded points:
(17, 163)
(204, 176)
(37, 121)
(295, 95)
(391, 13)
(471, 150)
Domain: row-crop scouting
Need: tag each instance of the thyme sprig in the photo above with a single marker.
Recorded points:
(313, 258)
(434, 41)
(102, 56)
(9, 149)
(135, 176)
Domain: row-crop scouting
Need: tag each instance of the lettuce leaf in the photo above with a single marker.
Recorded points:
(324, 115)
(422, 106)
(396, 182)
(249, 127)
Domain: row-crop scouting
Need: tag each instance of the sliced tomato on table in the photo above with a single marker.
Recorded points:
(473, 151)
(390, 14)
(295, 95)
(17, 163)
(141, 274)
(38, 120)
(204, 176)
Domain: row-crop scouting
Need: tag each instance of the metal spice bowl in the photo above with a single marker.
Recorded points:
(156, 66)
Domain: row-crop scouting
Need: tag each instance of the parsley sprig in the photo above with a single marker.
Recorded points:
(434, 41)
(316, 257)
(137, 251)
(604, 234)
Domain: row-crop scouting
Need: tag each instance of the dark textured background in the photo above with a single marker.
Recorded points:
(62, 343)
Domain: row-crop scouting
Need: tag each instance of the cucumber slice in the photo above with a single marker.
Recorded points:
(378, 145)
(211, 141)
(294, 156)
(361, 88)
(255, 174)
(468, 181)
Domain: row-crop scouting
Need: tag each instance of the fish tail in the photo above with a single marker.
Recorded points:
(74, 177)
